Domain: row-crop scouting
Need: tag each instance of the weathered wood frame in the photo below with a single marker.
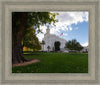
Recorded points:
(9, 6)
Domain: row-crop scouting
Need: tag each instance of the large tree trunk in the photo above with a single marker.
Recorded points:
(17, 48)
(17, 52)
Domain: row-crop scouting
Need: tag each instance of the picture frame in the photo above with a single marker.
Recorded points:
(9, 6)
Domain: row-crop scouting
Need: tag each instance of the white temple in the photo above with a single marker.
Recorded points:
(50, 39)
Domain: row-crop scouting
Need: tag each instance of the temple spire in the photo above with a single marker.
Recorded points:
(48, 30)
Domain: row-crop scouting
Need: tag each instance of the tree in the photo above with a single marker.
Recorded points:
(43, 43)
(73, 45)
(21, 21)
(36, 45)
(30, 40)
(57, 45)
(48, 48)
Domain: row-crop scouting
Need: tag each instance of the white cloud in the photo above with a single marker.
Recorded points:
(40, 36)
(54, 31)
(43, 29)
(65, 20)
(85, 44)
(72, 17)
(65, 34)
(70, 28)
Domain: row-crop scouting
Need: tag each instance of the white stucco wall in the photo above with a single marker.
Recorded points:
(84, 49)
(50, 39)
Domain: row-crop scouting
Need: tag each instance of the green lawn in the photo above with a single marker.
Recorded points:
(55, 63)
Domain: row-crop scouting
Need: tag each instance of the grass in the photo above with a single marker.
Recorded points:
(55, 63)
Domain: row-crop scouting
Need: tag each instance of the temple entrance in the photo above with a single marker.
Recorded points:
(57, 46)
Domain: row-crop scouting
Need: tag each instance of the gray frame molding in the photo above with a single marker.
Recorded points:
(8, 6)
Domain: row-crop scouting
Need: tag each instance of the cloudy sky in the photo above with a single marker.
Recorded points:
(73, 25)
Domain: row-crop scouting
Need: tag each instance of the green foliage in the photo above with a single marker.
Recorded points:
(32, 19)
(30, 22)
(73, 45)
(30, 40)
(55, 63)
(43, 42)
(48, 48)
(57, 45)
